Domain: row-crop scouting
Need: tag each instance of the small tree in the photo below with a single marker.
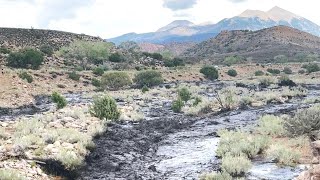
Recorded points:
(116, 57)
(148, 78)
(25, 58)
(116, 80)
(209, 72)
(232, 73)
(60, 101)
(105, 108)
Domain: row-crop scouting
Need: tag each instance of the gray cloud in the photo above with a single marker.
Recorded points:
(237, 1)
(179, 4)
(59, 9)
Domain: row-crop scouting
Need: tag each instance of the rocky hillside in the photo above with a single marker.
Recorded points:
(17, 38)
(262, 45)
(174, 49)
(186, 31)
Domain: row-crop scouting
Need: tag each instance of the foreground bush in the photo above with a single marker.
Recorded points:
(304, 122)
(116, 80)
(177, 105)
(232, 73)
(25, 58)
(209, 72)
(60, 101)
(216, 176)
(26, 76)
(271, 125)
(236, 165)
(105, 108)
(148, 78)
(10, 174)
(184, 94)
(283, 155)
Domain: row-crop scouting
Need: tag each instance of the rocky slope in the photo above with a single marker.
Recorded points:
(186, 31)
(262, 45)
(173, 49)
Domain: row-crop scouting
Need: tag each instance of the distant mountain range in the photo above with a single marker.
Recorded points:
(186, 31)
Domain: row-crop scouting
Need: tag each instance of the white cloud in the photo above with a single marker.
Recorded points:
(109, 18)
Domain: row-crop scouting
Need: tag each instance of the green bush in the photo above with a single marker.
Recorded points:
(232, 73)
(26, 76)
(60, 101)
(301, 71)
(98, 71)
(259, 73)
(174, 63)
(177, 105)
(209, 72)
(287, 70)
(216, 176)
(304, 122)
(10, 174)
(230, 60)
(148, 78)
(197, 100)
(46, 49)
(96, 82)
(184, 94)
(144, 89)
(105, 108)
(74, 76)
(236, 165)
(25, 58)
(4, 50)
(281, 59)
(271, 125)
(116, 57)
(273, 71)
(313, 67)
(283, 155)
(116, 80)
(286, 81)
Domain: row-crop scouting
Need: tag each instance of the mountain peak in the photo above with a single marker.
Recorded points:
(276, 14)
(176, 23)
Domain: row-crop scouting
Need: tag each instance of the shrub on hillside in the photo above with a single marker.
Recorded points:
(74, 76)
(60, 101)
(116, 80)
(286, 81)
(230, 60)
(232, 73)
(46, 49)
(26, 76)
(209, 72)
(273, 71)
(259, 73)
(116, 57)
(96, 82)
(148, 78)
(301, 71)
(4, 50)
(25, 58)
(304, 122)
(99, 71)
(184, 94)
(313, 67)
(236, 165)
(105, 108)
(177, 105)
(174, 62)
(281, 59)
(287, 70)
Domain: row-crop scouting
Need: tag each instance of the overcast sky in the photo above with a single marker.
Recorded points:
(109, 18)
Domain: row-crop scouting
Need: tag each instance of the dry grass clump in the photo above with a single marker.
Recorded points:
(69, 159)
(271, 125)
(236, 165)
(10, 174)
(215, 176)
(283, 155)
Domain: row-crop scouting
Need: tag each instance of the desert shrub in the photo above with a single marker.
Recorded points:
(265, 82)
(287, 70)
(281, 59)
(209, 72)
(144, 89)
(232, 73)
(259, 73)
(96, 82)
(25, 58)
(98, 71)
(116, 57)
(184, 94)
(177, 105)
(60, 101)
(10, 174)
(196, 101)
(105, 108)
(273, 71)
(313, 67)
(301, 71)
(230, 60)
(215, 176)
(74, 76)
(116, 80)
(304, 122)
(26, 76)
(86, 52)
(246, 101)
(236, 165)
(69, 159)
(148, 78)
(283, 155)
(174, 62)
(4, 50)
(157, 56)
(271, 125)
(286, 81)
(46, 49)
